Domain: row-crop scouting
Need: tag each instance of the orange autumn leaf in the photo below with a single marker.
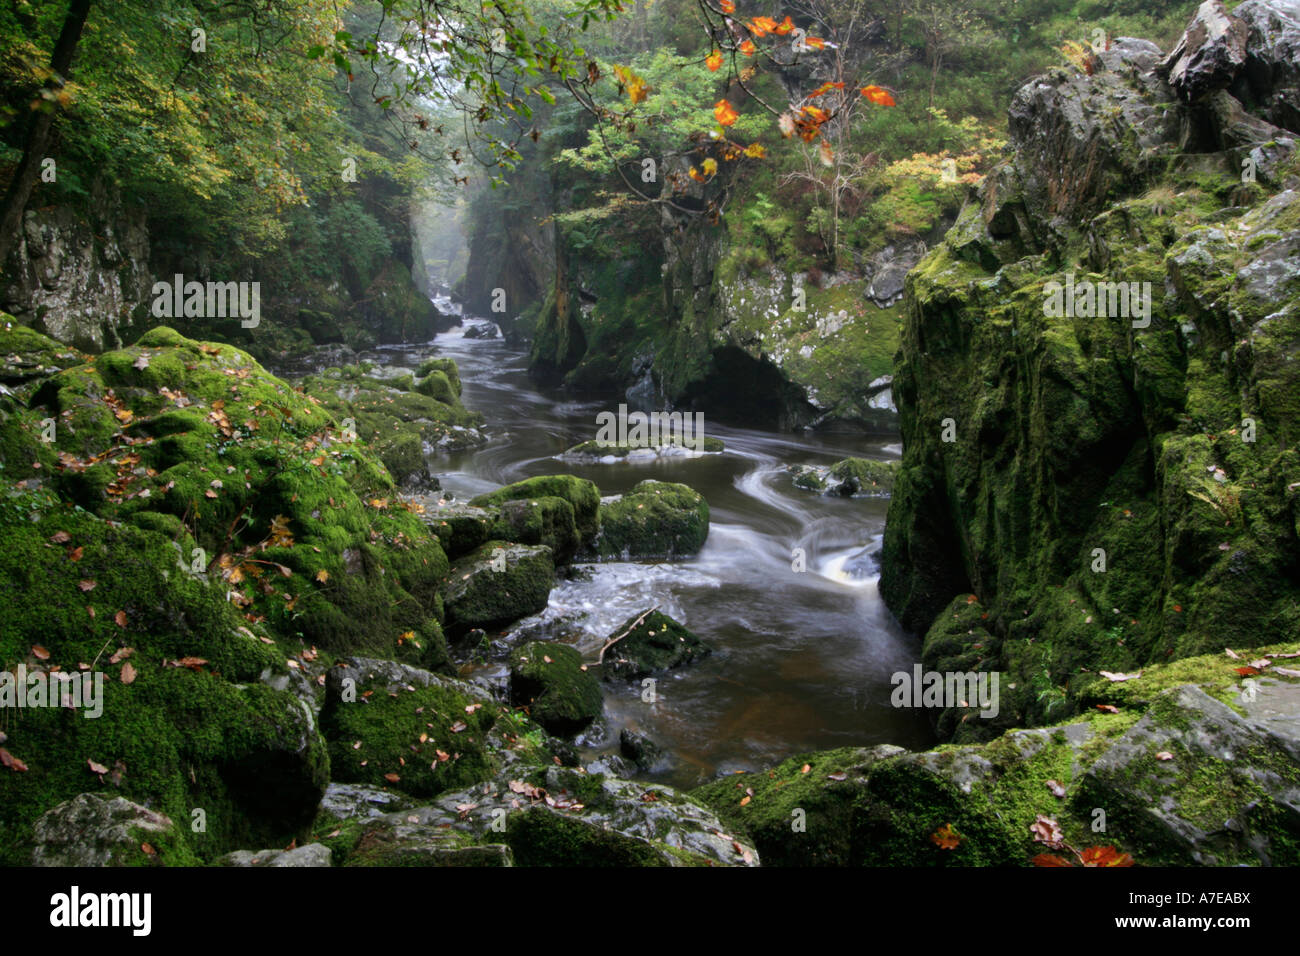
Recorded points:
(713, 61)
(747, 48)
(724, 113)
(946, 838)
(728, 6)
(1105, 856)
(1049, 859)
(817, 43)
(755, 151)
(784, 27)
(877, 95)
(761, 26)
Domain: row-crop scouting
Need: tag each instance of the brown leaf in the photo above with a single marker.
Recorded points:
(392, 777)
(75, 554)
(120, 618)
(1231, 653)
(1246, 671)
(1164, 755)
(1049, 859)
(805, 768)
(59, 537)
(40, 653)
(1119, 677)
(838, 775)
(96, 767)
(1048, 831)
(121, 654)
(148, 849)
(1108, 708)
(745, 800)
(12, 762)
(128, 673)
(1056, 788)
(459, 726)
(86, 584)
(193, 663)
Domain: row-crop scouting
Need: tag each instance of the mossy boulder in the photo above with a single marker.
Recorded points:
(302, 524)
(595, 452)
(437, 386)
(88, 596)
(496, 583)
(93, 830)
(461, 528)
(390, 725)
(580, 493)
(553, 683)
(656, 520)
(547, 520)
(447, 366)
(849, 478)
(648, 644)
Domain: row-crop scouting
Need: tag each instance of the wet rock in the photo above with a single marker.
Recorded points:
(405, 839)
(656, 520)
(1210, 53)
(460, 527)
(640, 749)
(496, 583)
(580, 493)
(889, 267)
(850, 478)
(313, 854)
(552, 681)
(598, 453)
(90, 830)
(547, 521)
(648, 644)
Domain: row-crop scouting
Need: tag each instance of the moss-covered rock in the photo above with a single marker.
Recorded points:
(461, 528)
(647, 644)
(581, 494)
(553, 683)
(93, 830)
(655, 520)
(496, 583)
(851, 477)
(88, 596)
(595, 452)
(1116, 486)
(389, 725)
(547, 520)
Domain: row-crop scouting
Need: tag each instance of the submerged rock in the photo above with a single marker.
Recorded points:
(850, 478)
(598, 453)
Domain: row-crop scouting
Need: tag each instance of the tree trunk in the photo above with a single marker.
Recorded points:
(38, 131)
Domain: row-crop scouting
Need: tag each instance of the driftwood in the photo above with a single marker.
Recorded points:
(630, 628)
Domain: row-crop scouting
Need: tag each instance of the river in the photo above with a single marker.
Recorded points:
(803, 658)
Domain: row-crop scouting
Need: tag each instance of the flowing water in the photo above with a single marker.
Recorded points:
(803, 658)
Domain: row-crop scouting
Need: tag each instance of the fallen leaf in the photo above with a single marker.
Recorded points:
(1056, 788)
(745, 800)
(1247, 671)
(392, 777)
(1108, 708)
(1104, 856)
(459, 726)
(96, 767)
(40, 653)
(838, 775)
(59, 537)
(12, 762)
(1049, 859)
(1229, 651)
(128, 673)
(805, 768)
(75, 554)
(86, 584)
(148, 849)
(120, 618)
(1164, 755)
(1048, 831)
(322, 575)
(946, 838)
(1119, 677)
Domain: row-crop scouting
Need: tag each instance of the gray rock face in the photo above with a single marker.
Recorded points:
(1209, 54)
(348, 801)
(313, 854)
(616, 822)
(888, 269)
(1195, 779)
(89, 830)
(1271, 76)
(77, 273)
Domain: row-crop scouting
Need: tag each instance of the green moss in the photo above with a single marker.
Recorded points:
(655, 520)
(553, 683)
(580, 493)
(547, 520)
(648, 644)
(478, 595)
